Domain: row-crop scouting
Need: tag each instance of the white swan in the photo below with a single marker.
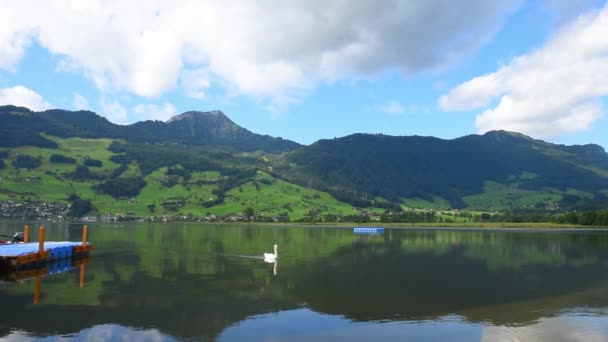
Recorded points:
(270, 257)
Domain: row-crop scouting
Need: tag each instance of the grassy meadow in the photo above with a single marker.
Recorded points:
(268, 196)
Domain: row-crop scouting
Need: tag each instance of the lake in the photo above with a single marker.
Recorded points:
(167, 282)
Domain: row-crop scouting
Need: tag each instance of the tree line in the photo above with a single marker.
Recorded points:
(584, 218)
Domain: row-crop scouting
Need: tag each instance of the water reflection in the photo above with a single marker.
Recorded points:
(417, 284)
(103, 332)
(318, 327)
(211, 282)
(274, 262)
(562, 328)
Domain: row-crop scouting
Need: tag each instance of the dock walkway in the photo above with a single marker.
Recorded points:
(37, 254)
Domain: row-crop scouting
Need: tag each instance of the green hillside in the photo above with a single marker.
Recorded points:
(202, 164)
(165, 192)
(495, 171)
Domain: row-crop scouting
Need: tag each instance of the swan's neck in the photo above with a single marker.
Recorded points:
(276, 251)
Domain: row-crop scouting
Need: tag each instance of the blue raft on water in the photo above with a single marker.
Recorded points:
(57, 249)
(368, 230)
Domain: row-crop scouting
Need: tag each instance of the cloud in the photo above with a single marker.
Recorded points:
(567, 9)
(114, 111)
(195, 83)
(155, 112)
(553, 90)
(392, 107)
(80, 102)
(547, 329)
(396, 108)
(24, 97)
(115, 332)
(264, 49)
(15, 37)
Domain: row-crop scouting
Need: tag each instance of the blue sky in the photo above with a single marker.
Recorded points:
(308, 70)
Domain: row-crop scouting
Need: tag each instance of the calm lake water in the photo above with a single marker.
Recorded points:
(149, 282)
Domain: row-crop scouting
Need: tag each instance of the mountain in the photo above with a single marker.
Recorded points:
(215, 128)
(20, 126)
(425, 167)
(195, 160)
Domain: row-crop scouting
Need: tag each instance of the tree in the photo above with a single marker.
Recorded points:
(588, 218)
(249, 213)
(93, 162)
(80, 207)
(602, 218)
(59, 158)
(571, 217)
(123, 187)
(26, 162)
(81, 173)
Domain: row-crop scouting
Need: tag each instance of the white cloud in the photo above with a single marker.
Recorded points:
(392, 107)
(195, 83)
(14, 39)
(80, 102)
(266, 49)
(114, 111)
(549, 329)
(155, 112)
(396, 108)
(24, 97)
(552, 90)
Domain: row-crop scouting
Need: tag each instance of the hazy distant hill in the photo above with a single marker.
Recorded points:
(20, 126)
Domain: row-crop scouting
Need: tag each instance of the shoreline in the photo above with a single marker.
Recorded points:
(425, 225)
(432, 226)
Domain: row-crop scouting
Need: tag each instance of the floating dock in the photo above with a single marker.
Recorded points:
(57, 266)
(54, 267)
(32, 255)
(368, 230)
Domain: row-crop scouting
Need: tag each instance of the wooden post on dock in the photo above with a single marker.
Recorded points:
(84, 236)
(82, 275)
(40, 242)
(37, 288)
(26, 234)
(85, 230)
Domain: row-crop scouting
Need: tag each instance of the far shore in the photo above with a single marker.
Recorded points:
(463, 225)
(438, 225)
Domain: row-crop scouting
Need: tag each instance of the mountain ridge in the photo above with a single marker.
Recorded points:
(412, 166)
(195, 113)
(497, 169)
(190, 128)
(220, 116)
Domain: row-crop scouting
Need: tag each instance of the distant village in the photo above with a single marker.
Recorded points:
(53, 211)
(58, 212)
(36, 209)
(33, 210)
